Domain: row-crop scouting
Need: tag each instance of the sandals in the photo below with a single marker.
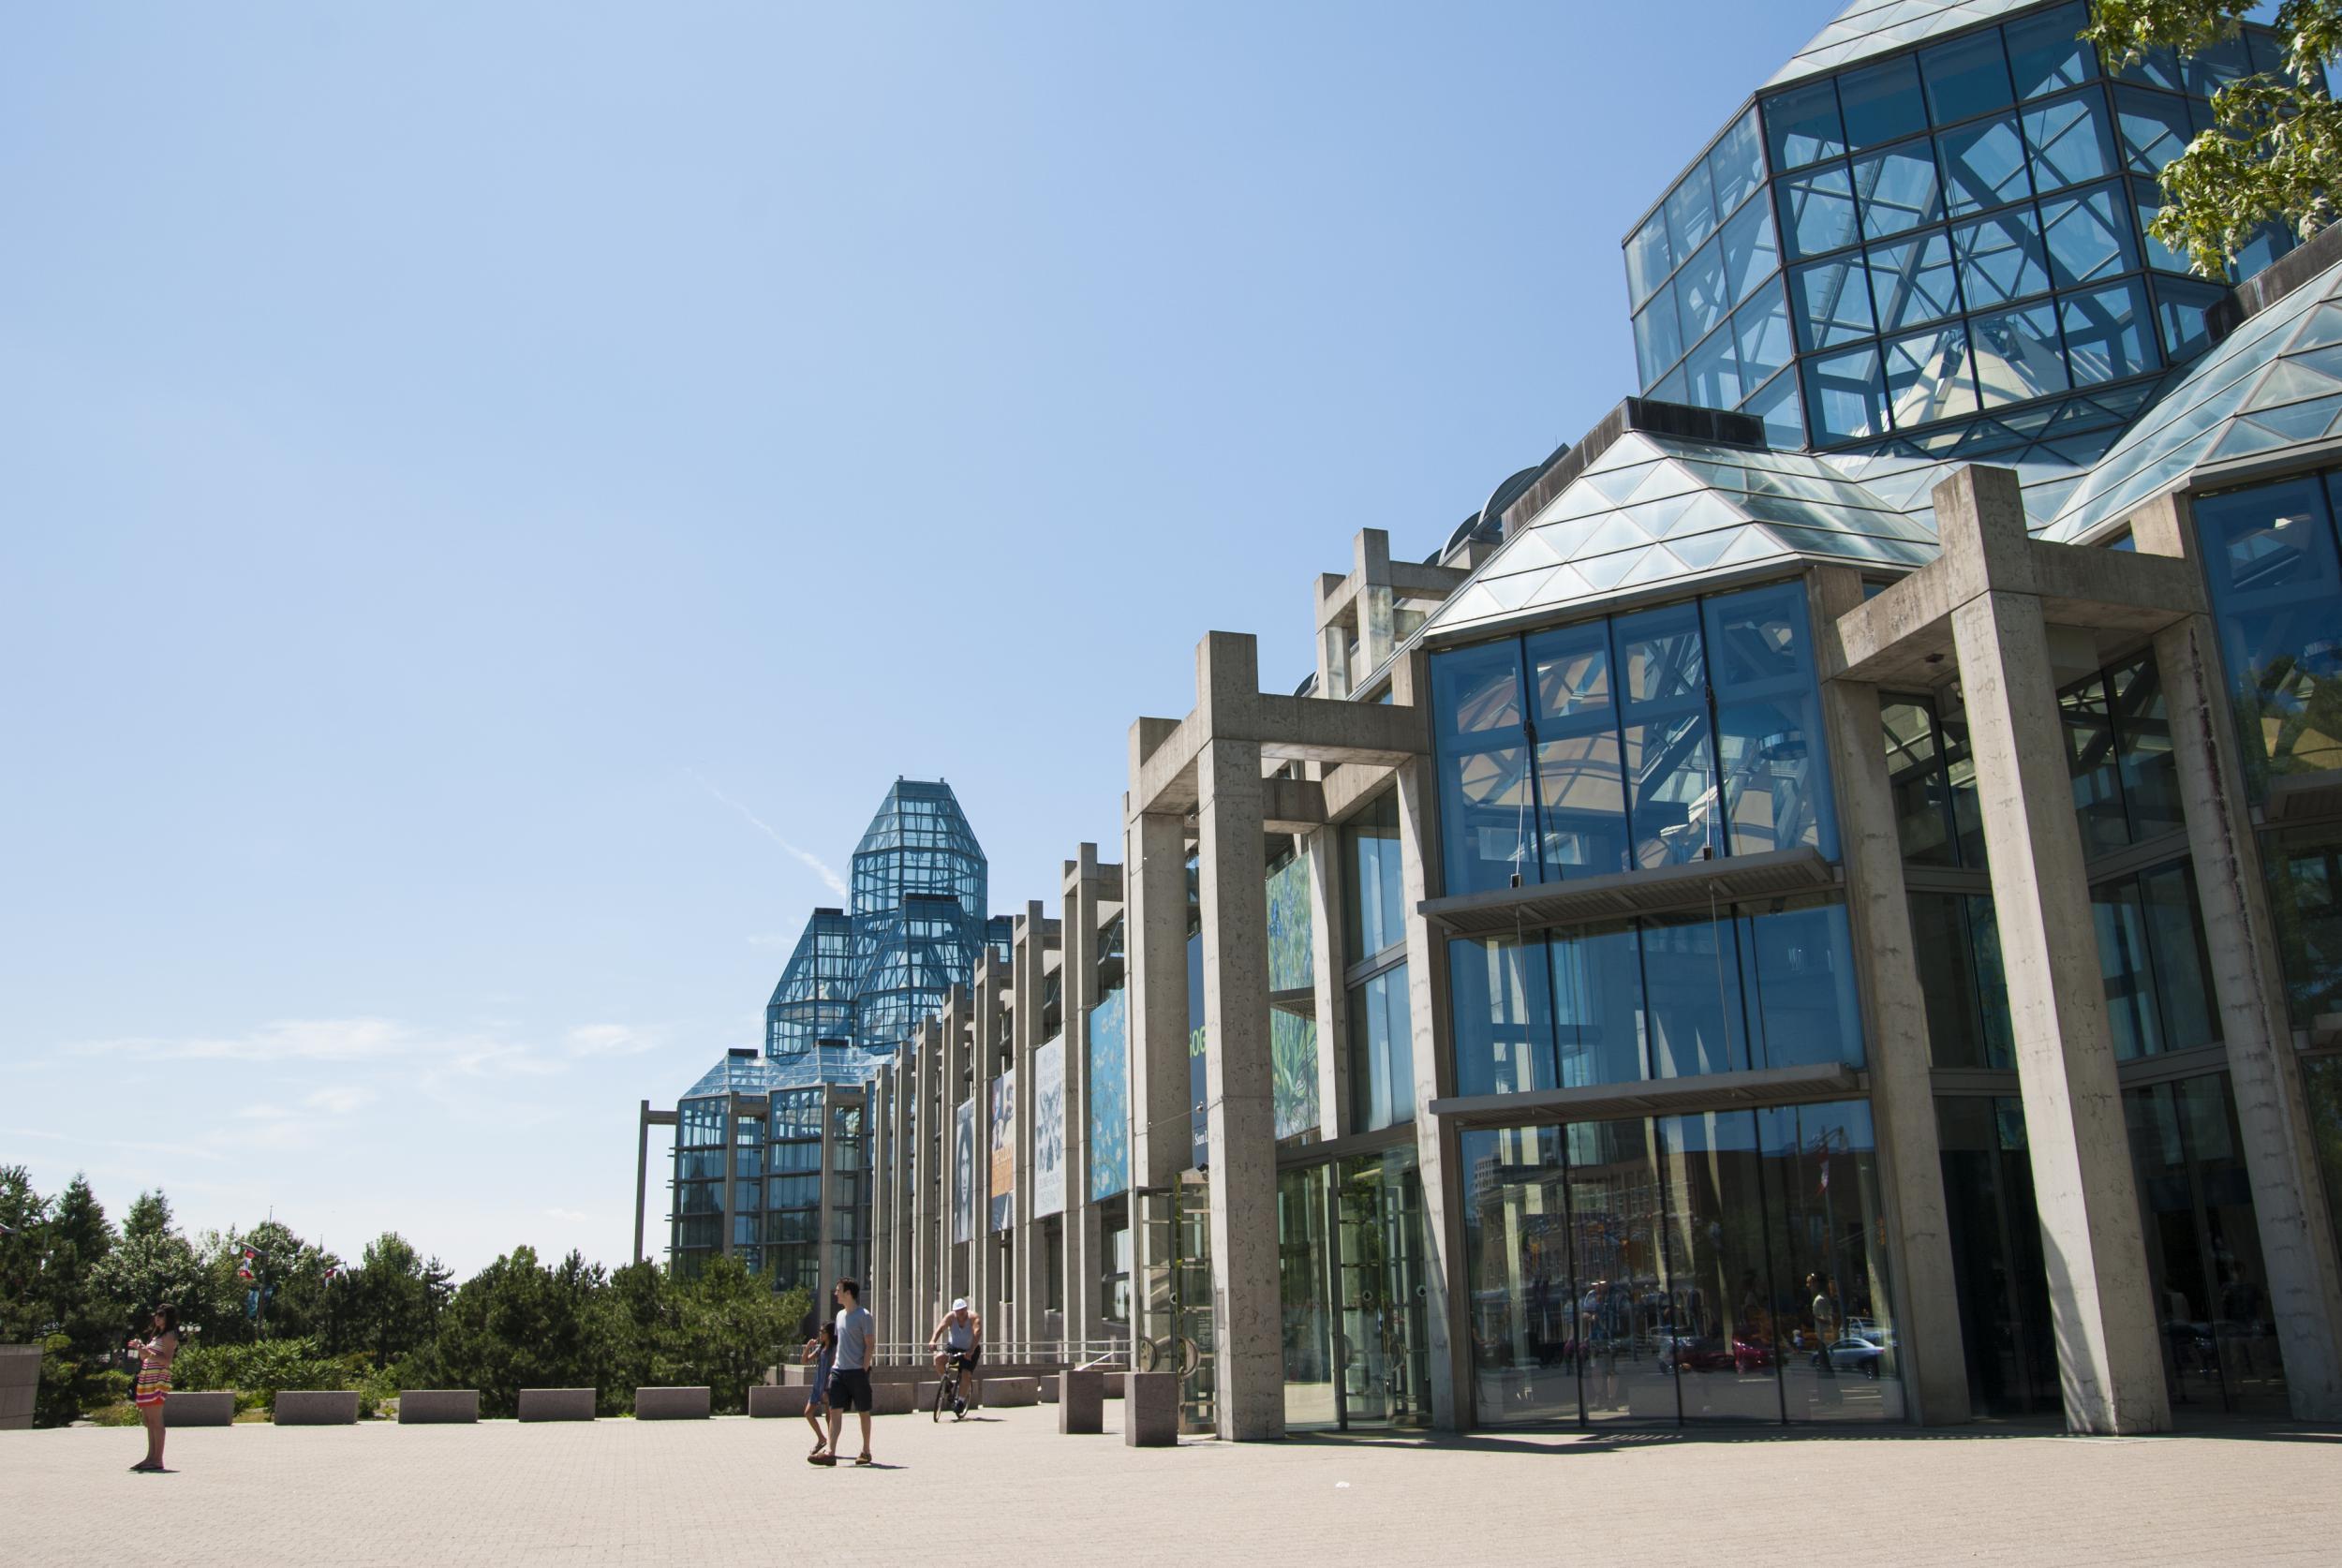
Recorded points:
(821, 1458)
(860, 1461)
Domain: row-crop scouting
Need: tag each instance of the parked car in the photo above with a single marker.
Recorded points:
(1854, 1353)
(1685, 1353)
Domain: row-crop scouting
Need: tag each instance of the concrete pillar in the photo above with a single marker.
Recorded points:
(1239, 1105)
(1027, 1260)
(731, 1181)
(642, 1174)
(1934, 1357)
(959, 1083)
(2297, 1239)
(1371, 558)
(1155, 883)
(1079, 987)
(877, 1135)
(2100, 1307)
(1329, 955)
(1448, 1302)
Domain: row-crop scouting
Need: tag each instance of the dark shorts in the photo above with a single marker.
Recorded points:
(850, 1389)
(967, 1358)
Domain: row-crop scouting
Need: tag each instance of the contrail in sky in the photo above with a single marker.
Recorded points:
(813, 863)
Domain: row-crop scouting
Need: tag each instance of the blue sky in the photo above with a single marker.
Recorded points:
(493, 495)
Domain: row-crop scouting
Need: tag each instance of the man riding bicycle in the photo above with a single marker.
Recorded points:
(960, 1335)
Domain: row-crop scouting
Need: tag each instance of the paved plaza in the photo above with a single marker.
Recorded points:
(1009, 1488)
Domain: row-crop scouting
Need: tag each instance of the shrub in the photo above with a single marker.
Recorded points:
(259, 1372)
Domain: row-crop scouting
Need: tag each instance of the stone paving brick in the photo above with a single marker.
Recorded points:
(1007, 1487)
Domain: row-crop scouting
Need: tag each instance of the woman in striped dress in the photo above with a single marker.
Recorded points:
(155, 1353)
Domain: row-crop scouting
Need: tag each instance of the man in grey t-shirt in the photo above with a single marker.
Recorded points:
(850, 1373)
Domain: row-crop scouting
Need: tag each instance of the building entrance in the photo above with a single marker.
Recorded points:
(1176, 1333)
(1351, 1265)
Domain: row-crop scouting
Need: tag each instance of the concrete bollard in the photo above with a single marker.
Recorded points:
(771, 1400)
(432, 1407)
(556, 1404)
(209, 1407)
(19, 1382)
(313, 1407)
(1081, 1401)
(1150, 1409)
(894, 1398)
(1009, 1392)
(671, 1404)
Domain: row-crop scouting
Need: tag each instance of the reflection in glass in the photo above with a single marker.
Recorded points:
(1483, 758)
(1834, 302)
(2271, 557)
(1658, 336)
(2304, 870)
(1983, 165)
(1597, 997)
(1996, 1256)
(1671, 781)
(2000, 258)
(1712, 373)
(2088, 237)
(2046, 52)
(1373, 903)
(1648, 259)
(1967, 76)
(2018, 355)
(1843, 1357)
(1911, 283)
(1700, 299)
(2069, 142)
(1382, 1051)
(1818, 213)
(1882, 102)
(1581, 809)
(1720, 1332)
(1780, 405)
(1845, 396)
(1760, 331)
(1737, 165)
(1802, 1006)
(1691, 211)
(2125, 968)
(1768, 735)
(1501, 1008)
(1749, 253)
(1692, 996)
(1898, 189)
(2107, 334)
(2153, 130)
(1927, 377)
(1803, 125)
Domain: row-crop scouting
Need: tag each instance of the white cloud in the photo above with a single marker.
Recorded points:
(339, 1099)
(572, 1216)
(614, 1040)
(813, 863)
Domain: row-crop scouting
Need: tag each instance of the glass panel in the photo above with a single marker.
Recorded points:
(1515, 1226)
(1382, 1051)
(1703, 295)
(1501, 1012)
(1966, 77)
(2152, 128)
(1946, 975)
(1581, 806)
(1805, 1007)
(2157, 66)
(2016, 354)
(2269, 554)
(1665, 690)
(1911, 283)
(1818, 213)
(1748, 249)
(2107, 334)
(2046, 51)
(1762, 331)
(1374, 902)
(1691, 211)
(1304, 1271)
(1983, 165)
(1829, 1228)
(2183, 312)
(1720, 1336)
(1803, 126)
(1898, 189)
(2000, 258)
(1927, 377)
(2143, 730)
(1832, 301)
(1915, 779)
(2088, 237)
(2146, 201)
(2206, 72)
(1996, 1257)
(1617, 1302)
(2130, 1009)
(1692, 996)
(1658, 336)
(1737, 165)
(2090, 762)
(1597, 1004)
(1769, 737)
(1648, 259)
(2304, 868)
(1712, 373)
(2182, 974)
(1482, 767)
(2069, 142)
(1882, 102)
(1782, 410)
(2323, 1076)
(1846, 395)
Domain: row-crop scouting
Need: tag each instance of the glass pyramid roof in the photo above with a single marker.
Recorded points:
(2276, 382)
(756, 1074)
(1659, 509)
(1870, 27)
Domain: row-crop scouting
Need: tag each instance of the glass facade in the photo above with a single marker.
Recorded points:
(1727, 1266)
(1633, 740)
(1351, 1265)
(2275, 574)
(1769, 985)
(1932, 236)
(815, 997)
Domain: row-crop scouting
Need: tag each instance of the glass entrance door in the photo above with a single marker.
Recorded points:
(1351, 1265)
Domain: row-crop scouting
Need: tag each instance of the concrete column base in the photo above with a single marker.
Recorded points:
(435, 1406)
(1081, 1402)
(211, 1408)
(556, 1404)
(1150, 1409)
(775, 1399)
(671, 1404)
(311, 1407)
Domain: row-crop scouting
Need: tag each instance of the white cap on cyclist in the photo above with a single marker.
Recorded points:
(959, 1304)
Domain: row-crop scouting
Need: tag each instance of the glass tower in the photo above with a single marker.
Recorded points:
(815, 998)
(1927, 236)
(919, 893)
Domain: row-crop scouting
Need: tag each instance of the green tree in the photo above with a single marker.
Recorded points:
(154, 1263)
(2275, 147)
(149, 1216)
(518, 1325)
(391, 1298)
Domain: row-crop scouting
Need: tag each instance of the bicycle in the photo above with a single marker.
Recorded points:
(947, 1387)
